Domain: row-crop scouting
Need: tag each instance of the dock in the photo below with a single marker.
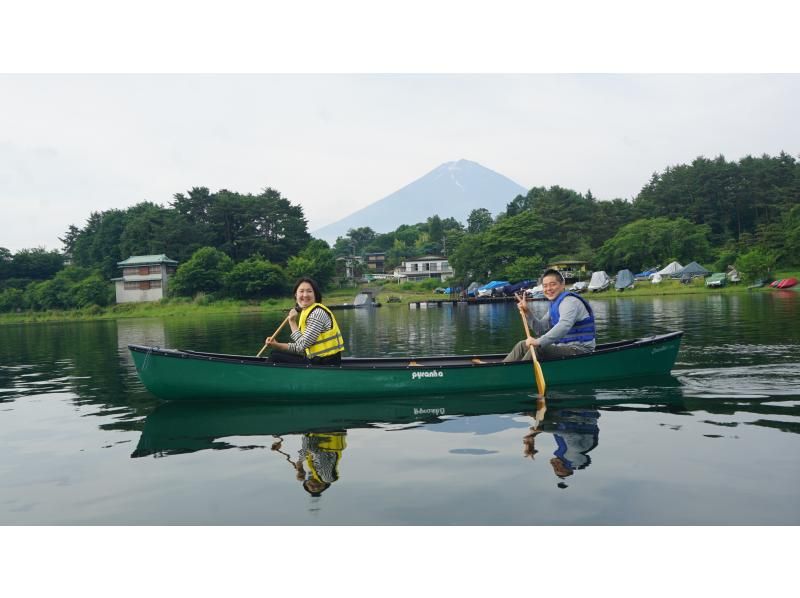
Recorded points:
(460, 301)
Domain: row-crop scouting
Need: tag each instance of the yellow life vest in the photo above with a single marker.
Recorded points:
(329, 342)
(331, 444)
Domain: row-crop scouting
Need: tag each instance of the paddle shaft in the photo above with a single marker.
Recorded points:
(537, 368)
(274, 334)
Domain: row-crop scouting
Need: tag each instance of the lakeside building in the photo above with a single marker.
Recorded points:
(144, 278)
(571, 269)
(375, 262)
(423, 268)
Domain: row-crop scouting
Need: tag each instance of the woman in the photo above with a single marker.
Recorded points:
(316, 338)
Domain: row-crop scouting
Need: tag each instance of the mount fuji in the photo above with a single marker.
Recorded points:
(453, 189)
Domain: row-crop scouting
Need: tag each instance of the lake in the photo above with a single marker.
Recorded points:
(716, 443)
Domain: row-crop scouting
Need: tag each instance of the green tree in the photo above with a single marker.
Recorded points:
(11, 300)
(756, 263)
(49, 294)
(92, 290)
(524, 267)
(255, 278)
(204, 272)
(436, 231)
(144, 232)
(97, 246)
(6, 263)
(316, 260)
(70, 237)
(646, 242)
(479, 221)
(36, 264)
(488, 254)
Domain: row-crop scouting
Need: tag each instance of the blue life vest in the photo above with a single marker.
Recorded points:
(582, 331)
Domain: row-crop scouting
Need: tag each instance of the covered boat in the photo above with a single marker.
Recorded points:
(671, 269)
(599, 281)
(655, 278)
(579, 287)
(183, 375)
(692, 270)
(646, 274)
(624, 280)
(718, 279)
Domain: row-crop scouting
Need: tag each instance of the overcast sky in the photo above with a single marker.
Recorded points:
(334, 143)
(73, 144)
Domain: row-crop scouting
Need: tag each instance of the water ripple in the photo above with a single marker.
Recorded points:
(744, 382)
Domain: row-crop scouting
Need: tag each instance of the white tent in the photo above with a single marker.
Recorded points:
(655, 278)
(599, 281)
(671, 270)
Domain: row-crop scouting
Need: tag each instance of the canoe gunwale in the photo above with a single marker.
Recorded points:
(406, 363)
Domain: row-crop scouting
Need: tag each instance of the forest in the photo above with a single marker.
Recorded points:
(250, 247)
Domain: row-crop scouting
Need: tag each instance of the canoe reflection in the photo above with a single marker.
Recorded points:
(181, 427)
(174, 428)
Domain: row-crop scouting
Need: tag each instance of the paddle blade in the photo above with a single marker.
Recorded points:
(539, 375)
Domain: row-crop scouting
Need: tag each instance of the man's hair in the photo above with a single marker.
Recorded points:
(553, 272)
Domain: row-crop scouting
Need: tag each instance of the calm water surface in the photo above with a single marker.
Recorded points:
(82, 442)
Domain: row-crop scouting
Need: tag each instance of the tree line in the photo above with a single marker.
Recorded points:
(250, 246)
(715, 212)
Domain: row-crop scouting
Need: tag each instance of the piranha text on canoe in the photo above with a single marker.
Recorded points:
(429, 374)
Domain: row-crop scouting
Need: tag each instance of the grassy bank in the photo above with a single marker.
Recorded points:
(388, 295)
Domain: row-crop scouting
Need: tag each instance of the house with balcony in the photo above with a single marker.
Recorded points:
(144, 278)
(375, 262)
(423, 268)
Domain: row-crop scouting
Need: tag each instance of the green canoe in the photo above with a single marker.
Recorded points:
(192, 375)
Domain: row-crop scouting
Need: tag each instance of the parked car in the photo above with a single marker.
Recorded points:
(535, 293)
(718, 279)
(487, 289)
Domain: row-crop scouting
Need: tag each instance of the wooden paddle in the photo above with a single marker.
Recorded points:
(537, 368)
(274, 334)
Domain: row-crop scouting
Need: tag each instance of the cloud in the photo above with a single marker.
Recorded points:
(72, 144)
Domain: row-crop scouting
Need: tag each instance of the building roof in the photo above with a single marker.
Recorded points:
(568, 262)
(146, 260)
(427, 258)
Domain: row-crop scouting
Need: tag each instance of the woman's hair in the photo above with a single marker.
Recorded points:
(313, 283)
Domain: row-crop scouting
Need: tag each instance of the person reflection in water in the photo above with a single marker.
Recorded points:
(318, 460)
(576, 434)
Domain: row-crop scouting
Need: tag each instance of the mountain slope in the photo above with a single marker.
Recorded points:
(453, 189)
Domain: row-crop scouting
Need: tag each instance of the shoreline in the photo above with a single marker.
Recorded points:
(186, 307)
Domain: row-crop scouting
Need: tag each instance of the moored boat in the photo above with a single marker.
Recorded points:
(174, 374)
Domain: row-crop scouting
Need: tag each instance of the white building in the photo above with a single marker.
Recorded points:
(422, 268)
(144, 278)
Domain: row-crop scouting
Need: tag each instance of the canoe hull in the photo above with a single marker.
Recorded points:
(185, 375)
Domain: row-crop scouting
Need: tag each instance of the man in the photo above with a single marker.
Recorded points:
(569, 323)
